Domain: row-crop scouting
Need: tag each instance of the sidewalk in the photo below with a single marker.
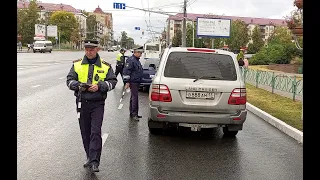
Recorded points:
(289, 74)
(24, 51)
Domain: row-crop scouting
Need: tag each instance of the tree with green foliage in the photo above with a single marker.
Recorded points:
(177, 39)
(283, 36)
(26, 20)
(258, 42)
(76, 36)
(239, 35)
(280, 35)
(124, 39)
(85, 12)
(280, 49)
(66, 23)
(91, 30)
(190, 35)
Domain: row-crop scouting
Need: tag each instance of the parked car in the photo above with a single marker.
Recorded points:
(197, 88)
(149, 70)
(110, 50)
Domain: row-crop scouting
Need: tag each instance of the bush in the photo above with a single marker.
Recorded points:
(297, 60)
(260, 58)
(251, 49)
(275, 54)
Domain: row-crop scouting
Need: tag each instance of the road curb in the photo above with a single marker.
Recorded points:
(282, 126)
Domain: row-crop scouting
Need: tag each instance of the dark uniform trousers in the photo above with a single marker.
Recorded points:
(119, 69)
(134, 103)
(91, 115)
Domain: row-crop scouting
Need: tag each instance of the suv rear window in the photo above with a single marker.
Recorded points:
(194, 65)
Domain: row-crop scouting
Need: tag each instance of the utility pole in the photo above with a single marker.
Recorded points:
(184, 24)
(46, 25)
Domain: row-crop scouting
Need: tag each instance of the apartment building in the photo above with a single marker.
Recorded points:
(105, 25)
(44, 8)
(174, 23)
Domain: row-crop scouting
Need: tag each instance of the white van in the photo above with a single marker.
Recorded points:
(42, 46)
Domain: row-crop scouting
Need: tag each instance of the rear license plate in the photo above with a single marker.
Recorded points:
(200, 95)
(197, 127)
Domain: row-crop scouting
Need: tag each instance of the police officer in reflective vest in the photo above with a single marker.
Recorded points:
(132, 75)
(120, 62)
(91, 78)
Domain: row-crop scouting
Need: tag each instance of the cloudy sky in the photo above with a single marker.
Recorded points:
(126, 20)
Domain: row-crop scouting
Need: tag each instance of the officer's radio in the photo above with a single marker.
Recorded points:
(84, 86)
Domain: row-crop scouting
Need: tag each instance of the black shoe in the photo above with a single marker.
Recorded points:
(133, 116)
(87, 164)
(136, 118)
(94, 168)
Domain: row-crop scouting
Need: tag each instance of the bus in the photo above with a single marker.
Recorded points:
(152, 50)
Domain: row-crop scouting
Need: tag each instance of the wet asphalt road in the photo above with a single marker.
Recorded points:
(50, 147)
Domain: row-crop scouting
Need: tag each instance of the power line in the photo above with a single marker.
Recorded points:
(168, 5)
(191, 3)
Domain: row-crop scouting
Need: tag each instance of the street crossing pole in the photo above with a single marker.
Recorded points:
(184, 29)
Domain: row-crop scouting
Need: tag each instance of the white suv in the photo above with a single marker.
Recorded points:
(197, 88)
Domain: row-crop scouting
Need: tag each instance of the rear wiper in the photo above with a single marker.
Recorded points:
(207, 77)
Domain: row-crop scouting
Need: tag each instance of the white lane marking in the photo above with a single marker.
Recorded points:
(34, 66)
(120, 106)
(56, 63)
(104, 138)
(20, 68)
(62, 77)
(35, 86)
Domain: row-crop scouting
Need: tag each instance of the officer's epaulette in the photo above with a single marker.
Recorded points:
(77, 60)
(106, 63)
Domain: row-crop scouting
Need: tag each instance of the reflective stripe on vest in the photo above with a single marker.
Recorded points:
(83, 69)
(119, 57)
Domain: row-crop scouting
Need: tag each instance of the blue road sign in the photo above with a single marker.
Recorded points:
(119, 5)
(137, 28)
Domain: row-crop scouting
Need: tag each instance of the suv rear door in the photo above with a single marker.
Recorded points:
(200, 81)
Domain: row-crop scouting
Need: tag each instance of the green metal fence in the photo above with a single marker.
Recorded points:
(276, 81)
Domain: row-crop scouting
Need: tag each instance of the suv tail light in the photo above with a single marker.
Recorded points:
(160, 92)
(238, 96)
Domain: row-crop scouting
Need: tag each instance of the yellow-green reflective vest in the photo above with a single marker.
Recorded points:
(119, 57)
(83, 69)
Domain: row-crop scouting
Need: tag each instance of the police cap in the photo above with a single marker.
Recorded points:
(91, 43)
(139, 49)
